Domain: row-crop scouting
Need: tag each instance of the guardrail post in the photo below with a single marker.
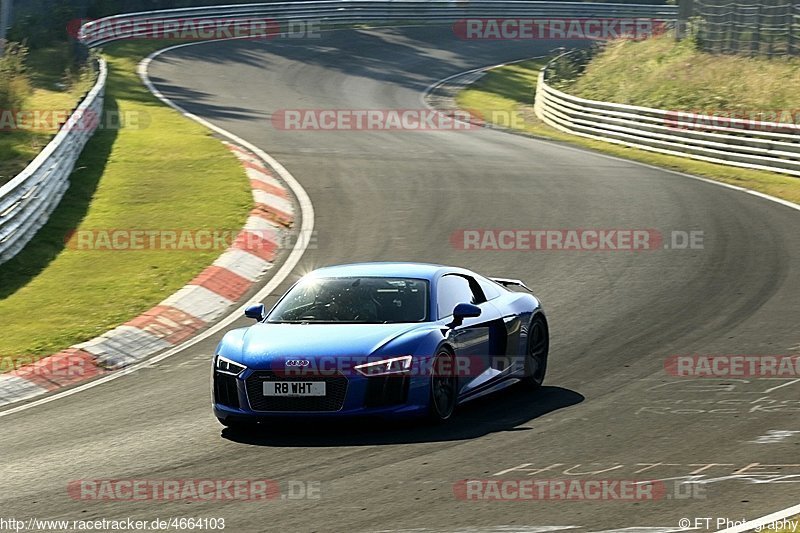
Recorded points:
(755, 45)
(759, 145)
(790, 28)
(685, 11)
(28, 199)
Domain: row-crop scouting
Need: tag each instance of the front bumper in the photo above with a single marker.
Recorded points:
(346, 395)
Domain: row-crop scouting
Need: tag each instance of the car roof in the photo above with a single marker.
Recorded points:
(386, 269)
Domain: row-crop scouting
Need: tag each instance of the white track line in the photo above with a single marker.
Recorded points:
(306, 227)
(432, 86)
(764, 520)
(307, 213)
(752, 524)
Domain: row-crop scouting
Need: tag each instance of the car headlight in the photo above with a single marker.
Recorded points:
(395, 365)
(226, 366)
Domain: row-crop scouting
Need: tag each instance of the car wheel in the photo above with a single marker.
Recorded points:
(443, 387)
(538, 348)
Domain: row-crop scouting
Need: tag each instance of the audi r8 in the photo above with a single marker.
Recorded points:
(387, 339)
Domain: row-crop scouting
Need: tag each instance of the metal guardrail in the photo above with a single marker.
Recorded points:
(345, 12)
(731, 141)
(27, 201)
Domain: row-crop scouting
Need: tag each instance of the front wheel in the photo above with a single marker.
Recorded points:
(444, 390)
(538, 349)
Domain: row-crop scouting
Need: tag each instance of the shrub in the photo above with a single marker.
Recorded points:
(14, 82)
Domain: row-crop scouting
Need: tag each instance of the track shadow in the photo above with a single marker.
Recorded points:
(505, 411)
(359, 53)
(51, 238)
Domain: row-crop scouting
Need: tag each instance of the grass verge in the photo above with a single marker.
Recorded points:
(665, 74)
(787, 525)
(509, 92)
(160, 171)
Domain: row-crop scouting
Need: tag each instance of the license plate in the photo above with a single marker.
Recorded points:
(294, 388)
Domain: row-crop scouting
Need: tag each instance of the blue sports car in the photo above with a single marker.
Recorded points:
(390, 339)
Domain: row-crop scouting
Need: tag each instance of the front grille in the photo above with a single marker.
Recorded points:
(335, 391)
(386, 390)
(225, 392)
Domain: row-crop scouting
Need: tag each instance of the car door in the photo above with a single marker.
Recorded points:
(477, 340)
(510, 351)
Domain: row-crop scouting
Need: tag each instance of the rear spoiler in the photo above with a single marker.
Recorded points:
(505, 282)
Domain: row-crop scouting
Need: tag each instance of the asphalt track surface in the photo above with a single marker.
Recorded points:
(615, 317)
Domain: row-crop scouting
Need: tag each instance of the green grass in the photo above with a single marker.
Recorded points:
(790, 527)
(53, 88)
(664, 74)
(172, 174)
(509, 92)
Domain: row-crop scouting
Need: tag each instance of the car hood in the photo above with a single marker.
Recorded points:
(264, 343)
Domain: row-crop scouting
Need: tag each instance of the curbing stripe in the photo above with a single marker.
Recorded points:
(266, 187)
(65, 368)
(264, 177)
(250, 163)
(284, 271)
(263, 227)
(182, 315)
(168, 323)
(244, 263)
(122, 346)
(200, 302)
(272, 214)
(281, 205)
(223, 282)
(256, 243)
(17, 389)
(238, 149)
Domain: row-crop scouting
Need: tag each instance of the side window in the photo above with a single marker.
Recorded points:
(453, 290)
(490, 289)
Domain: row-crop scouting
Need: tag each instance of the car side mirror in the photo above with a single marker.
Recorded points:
(255, 311)
(462, 311)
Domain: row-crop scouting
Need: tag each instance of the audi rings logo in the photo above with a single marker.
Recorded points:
(297, 363)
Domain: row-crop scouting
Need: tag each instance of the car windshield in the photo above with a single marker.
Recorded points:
(354, 300)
